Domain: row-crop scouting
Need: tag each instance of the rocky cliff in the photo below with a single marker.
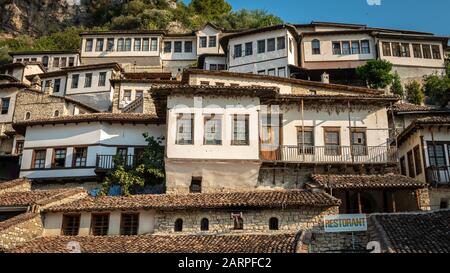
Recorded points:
(39, 17)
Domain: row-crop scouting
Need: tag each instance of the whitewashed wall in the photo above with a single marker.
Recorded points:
(8, 93)
(411, 61)
(262, 61)
(94, 86)
(376, 123)
(53, 223)
(208, 31)
(50, 67)
(326, 48)
(115, 53)
(101, 139)
(223, 106)
(179, 55)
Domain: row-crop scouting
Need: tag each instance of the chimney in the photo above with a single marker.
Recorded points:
(36, 83)
(325, 77)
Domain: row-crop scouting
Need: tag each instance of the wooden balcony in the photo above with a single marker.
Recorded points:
(439, 175)
(106, 162)
(331, 154)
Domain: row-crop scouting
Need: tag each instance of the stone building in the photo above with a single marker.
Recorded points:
(422, 138)
(20, 210)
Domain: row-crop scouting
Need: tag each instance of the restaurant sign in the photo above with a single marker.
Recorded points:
(345, 223)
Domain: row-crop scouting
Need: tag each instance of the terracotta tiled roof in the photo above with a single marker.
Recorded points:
(426, 232)
(171, 89)
(114, 66)
(336, 97)
(433, 120)
(95, 117)
(242, 243)
(148, 75)
(14, 183)
(55, 52)
(420, 123)
(367, 181)
(409, 107)
(17, 220)
(28, 198)
(313, 84)
(254, 199)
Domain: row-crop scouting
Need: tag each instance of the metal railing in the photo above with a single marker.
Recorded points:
(106, 162)
(439, 175)
(331, 154)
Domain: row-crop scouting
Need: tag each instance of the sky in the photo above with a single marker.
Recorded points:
(421, 15)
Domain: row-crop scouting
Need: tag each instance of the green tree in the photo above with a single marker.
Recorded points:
(149, 169)
(69, 39)
(19, 43)
(244, 19)
(414, 93)
(437, 88)
(447, 67)
(210, 8)
(397, 87)
(376, 73)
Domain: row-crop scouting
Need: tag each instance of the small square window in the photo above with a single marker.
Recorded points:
(71, 225)
(129, 224)
(100, 224)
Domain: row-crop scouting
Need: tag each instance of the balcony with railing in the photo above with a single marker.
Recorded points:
(439, 175)
(331, 154)
(107, 162)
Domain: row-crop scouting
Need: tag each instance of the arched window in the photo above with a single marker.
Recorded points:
(178, 225)
(45, 61)
(238, 221)
(56, 113)
(315, 47)
(273, 223)
(204, 224)
(27, 116)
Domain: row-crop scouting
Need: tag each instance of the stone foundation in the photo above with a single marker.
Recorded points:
(438, 195)
(322, 242)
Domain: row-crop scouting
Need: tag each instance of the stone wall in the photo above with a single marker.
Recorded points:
(220, 221)
(41, 105)
(148, 106)
(321, 242)
(20, 229)
(437, 195)
(423, 199)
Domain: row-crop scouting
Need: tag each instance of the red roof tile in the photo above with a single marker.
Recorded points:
(242, 243)
(367, 181)
(254, 199)
(416, 232)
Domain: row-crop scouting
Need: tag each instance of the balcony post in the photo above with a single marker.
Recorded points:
(359, 202)
(350, 131)
(303, 130)
(394, 206)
